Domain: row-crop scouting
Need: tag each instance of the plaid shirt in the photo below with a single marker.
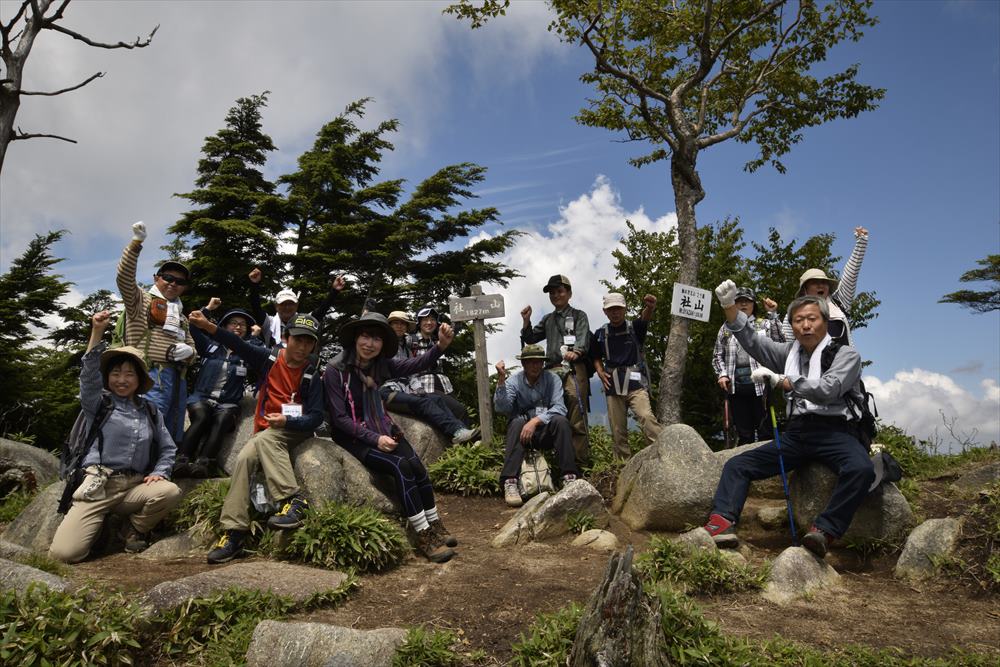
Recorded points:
(434, 382)
(727, 347)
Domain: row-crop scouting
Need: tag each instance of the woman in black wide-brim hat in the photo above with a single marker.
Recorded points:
(359, 422)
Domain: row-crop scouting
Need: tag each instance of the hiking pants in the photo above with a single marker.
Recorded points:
(169, 393)
(618, 406)
(209, 423)
(554, 435)
(144, 504)
(413, 486)
(801, 443)
(748, 413)
(576, 393)
(268, 450)
(430, 408)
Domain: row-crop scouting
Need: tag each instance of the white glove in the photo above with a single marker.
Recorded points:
(139, 231)
(726, 291)
(179, 352)
(766, 374)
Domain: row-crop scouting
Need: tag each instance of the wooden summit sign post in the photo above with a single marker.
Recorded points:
(478, 308)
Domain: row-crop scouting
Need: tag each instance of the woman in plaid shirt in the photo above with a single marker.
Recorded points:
(733, 366)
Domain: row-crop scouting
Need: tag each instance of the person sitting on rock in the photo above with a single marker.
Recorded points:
(432, 408)
(566, 332)
(839, 296)
(617, 354)
(533, 403)
(434, 382)
(214, 405)
(128, 464)
(821, 426)
(289, 408)
(734, 366)
(286, 306)
(359, 422)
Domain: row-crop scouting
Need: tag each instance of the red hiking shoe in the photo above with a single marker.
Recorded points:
(723, 531)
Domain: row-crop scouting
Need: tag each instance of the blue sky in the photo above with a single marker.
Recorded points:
(922, 172)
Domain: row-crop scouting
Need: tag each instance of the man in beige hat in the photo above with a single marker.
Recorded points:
(286, 306)
(566, 332)
(533, 402)
(617, 354)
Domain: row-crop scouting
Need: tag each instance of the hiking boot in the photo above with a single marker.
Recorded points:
(290, 515)
(816, 541)
(723, 531)
(442, 533)
(464, 435)
(181, 468)
(229, 546)
(201, 469)
(432, 548)
(136, 542)
(569, 478)
(511, 495)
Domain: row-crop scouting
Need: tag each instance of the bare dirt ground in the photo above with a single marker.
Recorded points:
(490, 596)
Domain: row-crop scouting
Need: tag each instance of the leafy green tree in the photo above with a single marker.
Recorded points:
(73, 335)
(29, 292)
(239, 214)
(685, 76)
(979, 302)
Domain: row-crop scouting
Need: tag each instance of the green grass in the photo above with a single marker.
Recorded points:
(344, 537)
(428, 648)
(468, 470)
(700, 571)
(14, 503)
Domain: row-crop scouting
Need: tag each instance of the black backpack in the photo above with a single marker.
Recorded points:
(81, 439)
(862, 405)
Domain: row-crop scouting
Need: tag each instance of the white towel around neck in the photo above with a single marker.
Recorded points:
(792, 364)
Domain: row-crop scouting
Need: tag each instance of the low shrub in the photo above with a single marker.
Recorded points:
(13, 504)
(428, 648)
(549, 639)
(201, 509)
(44, 563)
(338, 536)
(468, 470)
(580, 522)
(699, 570)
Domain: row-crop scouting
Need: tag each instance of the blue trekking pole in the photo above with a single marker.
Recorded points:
(784, 478)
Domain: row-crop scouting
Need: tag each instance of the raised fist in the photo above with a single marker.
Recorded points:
(526, 313)
(649, 300)
(213, 303)
(726, 292)
(139, 231)
(255, 276)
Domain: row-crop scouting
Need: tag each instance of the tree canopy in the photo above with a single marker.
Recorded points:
(983, 301)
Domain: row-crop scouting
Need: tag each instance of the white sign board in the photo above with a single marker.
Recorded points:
(475, 307)
(693, 303)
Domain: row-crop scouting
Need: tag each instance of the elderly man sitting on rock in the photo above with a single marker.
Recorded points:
(533, 400)
(821, 426)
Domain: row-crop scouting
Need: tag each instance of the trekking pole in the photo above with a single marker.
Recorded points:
(784, 478)
(726, 428)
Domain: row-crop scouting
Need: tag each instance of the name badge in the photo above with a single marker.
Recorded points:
(241, 371)
(635, 376)
(539, 411)
(291, 409)
(569, 340)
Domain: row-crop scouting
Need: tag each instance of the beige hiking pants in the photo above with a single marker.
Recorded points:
(577, 419)
(144, 504)
(618, 407)
(267, 449)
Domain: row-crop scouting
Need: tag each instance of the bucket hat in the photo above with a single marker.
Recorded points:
(532, 352)
(349, 332)
(236, 312)
(400, 316)
(815, 274)
(135, 356)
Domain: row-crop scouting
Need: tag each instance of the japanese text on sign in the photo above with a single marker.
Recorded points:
(691, 302)
(480, 307)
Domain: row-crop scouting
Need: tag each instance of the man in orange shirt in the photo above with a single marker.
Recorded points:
(289, 409)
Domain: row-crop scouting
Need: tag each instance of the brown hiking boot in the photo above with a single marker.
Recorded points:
(442, 533)
(432, 548)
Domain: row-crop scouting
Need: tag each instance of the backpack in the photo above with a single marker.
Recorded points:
(536, 476)
(640, 351)
(858, 404)
(81, 439)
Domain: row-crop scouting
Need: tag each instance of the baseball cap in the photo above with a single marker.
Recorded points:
(286, 295)
(304, 324)
(613, 299)
(556, 281)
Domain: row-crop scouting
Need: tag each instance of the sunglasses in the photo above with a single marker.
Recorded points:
(171, 280)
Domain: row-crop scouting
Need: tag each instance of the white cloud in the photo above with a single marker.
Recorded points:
(578, 244)
(914, 400)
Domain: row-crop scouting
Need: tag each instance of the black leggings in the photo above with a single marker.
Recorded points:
(408, 473)
(208, 424)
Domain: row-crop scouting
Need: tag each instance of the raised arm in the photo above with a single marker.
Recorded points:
(127, 287)
(844, 296)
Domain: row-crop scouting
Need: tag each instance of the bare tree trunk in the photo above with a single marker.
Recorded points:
(687, 194)
(621, 625)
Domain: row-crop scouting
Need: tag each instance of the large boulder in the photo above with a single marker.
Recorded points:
(180, 545)
(295, 644)
(43, 464)
(930, 540)
(427, 442)
(980, 477)
(669, 485)
(35, 526)
(327, 471)
(233, 443)
(797, 572)
(884, 516)
(17, 577)
(547, 515)
(297, 582)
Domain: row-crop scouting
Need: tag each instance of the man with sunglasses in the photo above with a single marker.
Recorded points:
(155, 323)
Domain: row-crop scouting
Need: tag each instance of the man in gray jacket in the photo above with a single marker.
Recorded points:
(821, 425)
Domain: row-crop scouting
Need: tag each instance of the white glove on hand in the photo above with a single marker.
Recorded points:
(766, 374)
(139, 231)
(179, 352)
(726, 292)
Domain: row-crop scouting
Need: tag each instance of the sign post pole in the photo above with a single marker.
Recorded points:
(478, 308)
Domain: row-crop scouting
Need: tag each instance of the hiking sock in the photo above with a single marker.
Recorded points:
(418, 521)
(432, 514)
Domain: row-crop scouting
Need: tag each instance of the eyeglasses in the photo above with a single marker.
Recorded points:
(172, 279)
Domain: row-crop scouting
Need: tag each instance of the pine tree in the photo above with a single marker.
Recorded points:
(239, 216)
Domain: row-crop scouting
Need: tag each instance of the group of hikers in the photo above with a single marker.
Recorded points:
(134, 398)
